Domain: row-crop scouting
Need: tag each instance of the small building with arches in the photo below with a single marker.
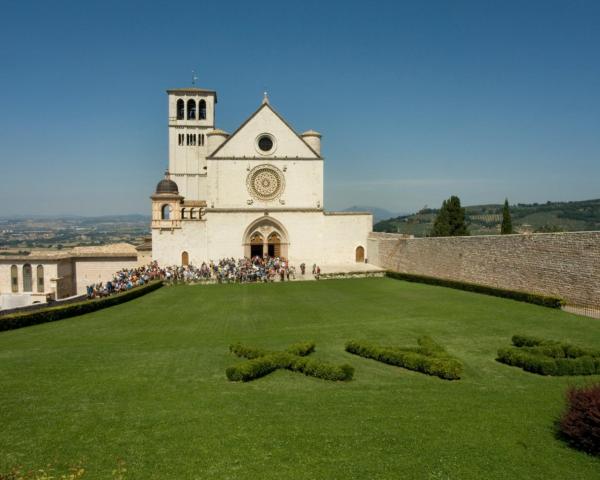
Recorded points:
(257, 191)
(33, 277)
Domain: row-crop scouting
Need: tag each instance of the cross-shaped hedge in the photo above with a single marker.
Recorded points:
(549, 357)
(262, 362)
(429, 357)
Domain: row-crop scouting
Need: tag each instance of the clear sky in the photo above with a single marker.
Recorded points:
(416, 100)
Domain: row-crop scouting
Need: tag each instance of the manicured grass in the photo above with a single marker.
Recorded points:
(145, 382)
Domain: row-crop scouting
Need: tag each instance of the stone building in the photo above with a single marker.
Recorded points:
(258, 191)
(28, 279)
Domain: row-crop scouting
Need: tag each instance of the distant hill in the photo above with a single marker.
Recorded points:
(485, 219)
(378, 213)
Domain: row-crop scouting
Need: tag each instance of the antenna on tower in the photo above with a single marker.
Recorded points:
(194, 78)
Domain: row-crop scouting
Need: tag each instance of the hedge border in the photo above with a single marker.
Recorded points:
(52, 314)
(549, 357)
(294, 358)
(537, 299)
(429, 357)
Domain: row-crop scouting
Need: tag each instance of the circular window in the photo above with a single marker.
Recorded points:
(265, 143)
(265, 182)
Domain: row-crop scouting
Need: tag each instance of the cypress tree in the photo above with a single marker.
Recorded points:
(450, 221)
(441, 225)
(506, 227)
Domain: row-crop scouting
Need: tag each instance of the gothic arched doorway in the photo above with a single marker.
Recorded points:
(265, 236)
(256, 245)
(360, 254)
(274, 245)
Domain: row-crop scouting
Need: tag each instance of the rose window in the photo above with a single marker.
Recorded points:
(265, 182)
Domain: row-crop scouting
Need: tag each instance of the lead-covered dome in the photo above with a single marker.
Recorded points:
(166, 185)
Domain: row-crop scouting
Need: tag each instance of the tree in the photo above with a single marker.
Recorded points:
(450, 221)
(506, 227)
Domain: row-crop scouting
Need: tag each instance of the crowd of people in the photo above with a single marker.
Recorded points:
(227, 270)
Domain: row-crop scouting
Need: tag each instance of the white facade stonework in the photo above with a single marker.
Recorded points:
(60, 274)
(256, 191)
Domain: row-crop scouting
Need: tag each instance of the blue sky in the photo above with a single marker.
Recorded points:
(416, 100)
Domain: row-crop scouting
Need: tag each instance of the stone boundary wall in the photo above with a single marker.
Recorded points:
(560, 264)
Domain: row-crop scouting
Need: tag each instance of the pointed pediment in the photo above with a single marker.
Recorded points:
(265, 122)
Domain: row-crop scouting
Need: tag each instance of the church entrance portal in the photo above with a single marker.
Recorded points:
(256, 245)
(274, 245)
(265, 236)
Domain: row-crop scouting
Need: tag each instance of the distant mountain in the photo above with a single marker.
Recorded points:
(486, 219)
(130, 217)
(378, 213)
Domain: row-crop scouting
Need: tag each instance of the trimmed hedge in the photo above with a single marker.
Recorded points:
(549, 357)
(429, 357)
(301, 349)
(294, 358)
(546, 301)
(51, 314)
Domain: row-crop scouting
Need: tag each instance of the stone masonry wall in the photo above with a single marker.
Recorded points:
(561, 264)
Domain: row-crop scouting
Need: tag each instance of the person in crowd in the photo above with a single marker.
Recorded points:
(226, 270)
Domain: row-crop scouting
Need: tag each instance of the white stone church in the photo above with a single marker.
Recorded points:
(258, 191)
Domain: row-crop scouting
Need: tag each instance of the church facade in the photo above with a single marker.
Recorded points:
(258, 191)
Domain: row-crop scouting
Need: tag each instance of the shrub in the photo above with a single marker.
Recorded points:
(262, 362)
(526, 341)
(549, 357)
(301, 349)
(580, 424)
(430, 357)
(546, 301)
(51, 314)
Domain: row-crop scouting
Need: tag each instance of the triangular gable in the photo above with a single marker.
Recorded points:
(242, 143)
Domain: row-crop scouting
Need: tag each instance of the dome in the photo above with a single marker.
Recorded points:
(166, 185)
(311, 133)
(217, 131)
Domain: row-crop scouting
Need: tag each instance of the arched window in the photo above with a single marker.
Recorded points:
(360, 254)
(191, 109)
(14, 279)
(202, 109)
(40, 278)
(27, 278)
(180, 109)
(165, 212)
(185, 259)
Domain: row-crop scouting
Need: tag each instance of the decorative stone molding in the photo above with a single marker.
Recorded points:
(265, 182)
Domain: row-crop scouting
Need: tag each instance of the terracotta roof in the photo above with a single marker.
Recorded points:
(113, 249)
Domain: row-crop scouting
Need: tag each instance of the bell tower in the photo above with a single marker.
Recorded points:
(191, 117)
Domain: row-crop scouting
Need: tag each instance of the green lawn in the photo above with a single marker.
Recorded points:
(145, 382)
